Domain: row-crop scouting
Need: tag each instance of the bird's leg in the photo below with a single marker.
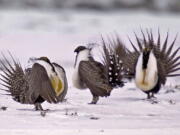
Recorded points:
(148, 95)
(152, 98)
(94, 100)
(152, 95)
(38, 107)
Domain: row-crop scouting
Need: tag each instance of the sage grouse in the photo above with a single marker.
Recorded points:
(99, 78)
(44, 81)
(151, 63)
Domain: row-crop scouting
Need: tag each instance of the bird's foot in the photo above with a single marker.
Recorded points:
(151, 96)
(172, 102)
(153, 100)
(94, 100)
(92, 103)
(4, 108)
(38, 107)
(43, 113)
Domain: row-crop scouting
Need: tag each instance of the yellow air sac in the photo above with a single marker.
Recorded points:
(57, 85)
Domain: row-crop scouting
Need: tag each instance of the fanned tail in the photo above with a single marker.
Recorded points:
(13, 79)
(113, 63)
(167, 56)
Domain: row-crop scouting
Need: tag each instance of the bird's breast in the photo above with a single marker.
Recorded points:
(57, 84)
(146, 80)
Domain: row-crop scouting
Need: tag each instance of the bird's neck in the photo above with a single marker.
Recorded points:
(76, 79)
(145, 60)
(82, 56)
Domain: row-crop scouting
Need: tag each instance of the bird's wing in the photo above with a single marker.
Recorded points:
(40, 85)
(92, 73)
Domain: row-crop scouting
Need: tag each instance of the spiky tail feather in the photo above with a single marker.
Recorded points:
(13, 79)
(165, 52)
(113, 65)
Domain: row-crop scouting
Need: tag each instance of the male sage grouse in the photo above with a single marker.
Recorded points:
(99, 78)
(151, 63)
(44, 81)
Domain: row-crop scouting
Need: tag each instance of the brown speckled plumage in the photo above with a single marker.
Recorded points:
(30, 86)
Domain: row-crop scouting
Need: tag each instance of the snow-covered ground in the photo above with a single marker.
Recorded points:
(56, 34)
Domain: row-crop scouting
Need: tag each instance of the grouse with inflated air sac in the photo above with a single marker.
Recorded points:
(151, 63)
(44, 81)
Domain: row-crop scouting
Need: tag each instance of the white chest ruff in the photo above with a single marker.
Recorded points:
(76, 80)
(146, 79)
(77, 83)
(47, 66)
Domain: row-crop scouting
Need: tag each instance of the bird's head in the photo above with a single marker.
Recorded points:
(82, 53)
(146, 51)
(80, 48)
(44, 59)
(89, 47)
(39, 60)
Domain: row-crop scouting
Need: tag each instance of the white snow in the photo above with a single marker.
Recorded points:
(55, 35)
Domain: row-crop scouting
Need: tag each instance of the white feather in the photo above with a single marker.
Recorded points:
(146, 79)
(47, 66)
(58, 73)
(83, 55)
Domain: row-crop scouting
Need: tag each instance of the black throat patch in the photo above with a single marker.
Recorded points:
(145, 59)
